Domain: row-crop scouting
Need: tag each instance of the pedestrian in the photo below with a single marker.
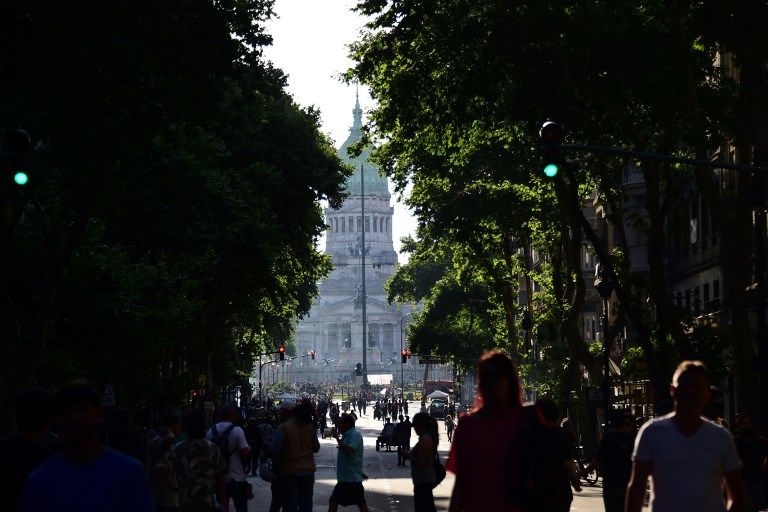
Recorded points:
(24, 451)
(86, 475)
(267, 430)
(753, 452)
(195, 467)
(253, 438)
(484, 440)
(234, 448)
(165, 495)
(614, 458)
(349, 467)
(122, 434)
(689, 458)
(548, 467)
(422, 458)
(449, 426)
(402, 436)
(295, 444)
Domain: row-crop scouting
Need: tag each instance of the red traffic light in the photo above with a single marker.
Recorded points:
(195, 394)
(281, 352)
(312, 354)
(404, 356)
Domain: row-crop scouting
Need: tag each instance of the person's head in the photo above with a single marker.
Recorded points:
(34, 412)
(194, 424)
(346, 422)
(386, 420)
(400, 417)
(448, 417)
(303, 412)
(230, 412)
(407, 418)
(620, 421)
(421, 423)
(497, 381)
(747, 423)
(171, 422)
(690, 387)
(548, 412)
(78, 410)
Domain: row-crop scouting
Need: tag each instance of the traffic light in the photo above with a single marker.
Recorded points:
(551, 137)
(403, 356)
(14, 168)
(358, 369)
(312, 354)
(281, 352)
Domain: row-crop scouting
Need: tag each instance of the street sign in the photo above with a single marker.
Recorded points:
(430, 360)
(201, 380)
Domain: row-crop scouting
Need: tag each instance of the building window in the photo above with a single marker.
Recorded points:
(351, 224)
(359, 225)
(716, 288)
(388, 349)
(590, 327)
(333, 339)
(343, 224)
(679, 299)
(346, 334)
(688, 300)
(367, 224)
(373, 335)
(706, 293)
(336, 225)
(375, 224)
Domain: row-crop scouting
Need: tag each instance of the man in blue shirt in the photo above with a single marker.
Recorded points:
(86, 476)
(349, 467)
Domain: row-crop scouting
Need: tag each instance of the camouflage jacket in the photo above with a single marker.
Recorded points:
(194, 465)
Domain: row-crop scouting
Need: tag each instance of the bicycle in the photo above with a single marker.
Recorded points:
(586, 468)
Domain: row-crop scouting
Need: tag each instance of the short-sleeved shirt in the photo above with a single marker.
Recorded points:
(349, 467)
(236, 443)
(615, 454)
(195, 463)
(480, 456)
(687, 471)
(112, 482)
(20, 458)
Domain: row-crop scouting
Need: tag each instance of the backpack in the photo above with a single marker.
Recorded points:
(222, 441)
(439, 470)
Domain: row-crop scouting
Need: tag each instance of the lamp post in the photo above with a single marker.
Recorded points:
(604, 287)
(402, 365)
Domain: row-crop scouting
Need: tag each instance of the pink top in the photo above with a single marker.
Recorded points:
(482, 458)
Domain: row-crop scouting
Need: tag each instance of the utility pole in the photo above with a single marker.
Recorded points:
(362, 271)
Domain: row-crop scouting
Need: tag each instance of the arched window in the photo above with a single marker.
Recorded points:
(336, 225)
(375, 224)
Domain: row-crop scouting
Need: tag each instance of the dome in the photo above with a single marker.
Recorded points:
(375, 183)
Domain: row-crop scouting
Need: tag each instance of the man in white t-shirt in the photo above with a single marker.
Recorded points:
(235, 449)
(688, 457)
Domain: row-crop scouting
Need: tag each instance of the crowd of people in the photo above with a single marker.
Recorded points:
(68, 455)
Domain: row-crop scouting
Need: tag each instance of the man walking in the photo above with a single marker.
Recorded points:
(688, 457)
(86, 475)
(349, 467)
(234, 448)
(615, 458)
(402, 437)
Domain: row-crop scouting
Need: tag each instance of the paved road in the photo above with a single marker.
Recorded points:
(389, 488)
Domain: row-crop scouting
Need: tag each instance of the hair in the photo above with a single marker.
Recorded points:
(346, 417)
(617, 418)
(169, 419)
(498, 361)
(33, 410)
(303, 412)
(194, 424)
(548, 409)
(77, 392)
(429, 423)
(690, 366)
(401, 417)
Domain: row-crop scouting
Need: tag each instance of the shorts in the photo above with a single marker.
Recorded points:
(348, 493)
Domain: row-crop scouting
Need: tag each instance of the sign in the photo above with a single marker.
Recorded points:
(430, 360)
(384, 379)
(201, 380)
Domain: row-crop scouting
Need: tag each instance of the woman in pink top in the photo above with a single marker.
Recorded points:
(484, 456)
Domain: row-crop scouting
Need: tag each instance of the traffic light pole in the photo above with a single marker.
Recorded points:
(362, 271)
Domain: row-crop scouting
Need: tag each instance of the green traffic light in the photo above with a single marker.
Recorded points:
(21, 178)
(551, 170)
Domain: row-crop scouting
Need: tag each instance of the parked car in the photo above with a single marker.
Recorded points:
(438, 408)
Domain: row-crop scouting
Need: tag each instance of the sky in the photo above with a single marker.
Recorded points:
(311, 39)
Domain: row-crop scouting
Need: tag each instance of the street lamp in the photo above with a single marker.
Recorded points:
(402, 364)
(604, 287)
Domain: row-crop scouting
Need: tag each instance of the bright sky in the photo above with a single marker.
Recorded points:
(310, 46)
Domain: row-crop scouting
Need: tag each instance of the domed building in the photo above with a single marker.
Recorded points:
(334, 326)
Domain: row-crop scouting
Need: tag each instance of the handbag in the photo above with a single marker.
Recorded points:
(439, 470)
(268, 471)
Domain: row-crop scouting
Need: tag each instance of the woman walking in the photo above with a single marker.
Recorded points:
(484, 455)
(422, 457)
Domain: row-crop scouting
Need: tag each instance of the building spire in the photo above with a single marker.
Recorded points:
(357, 112)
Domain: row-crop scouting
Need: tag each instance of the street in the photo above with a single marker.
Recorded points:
(389, 487)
